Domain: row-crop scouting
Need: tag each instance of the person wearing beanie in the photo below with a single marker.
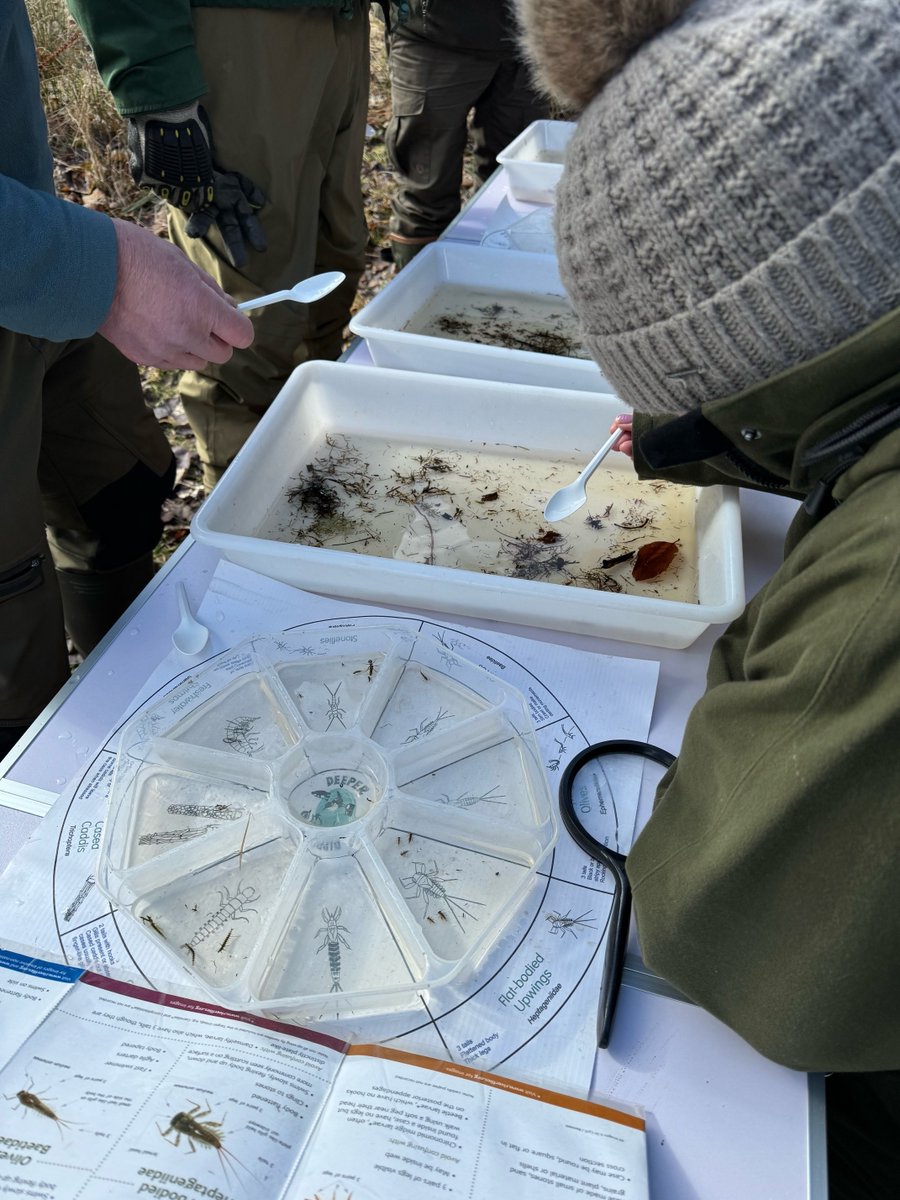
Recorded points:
(728, 230)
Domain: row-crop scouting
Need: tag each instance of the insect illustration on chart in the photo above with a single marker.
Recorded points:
(172, 837)
(565, 923)
(332, 935)
(337, 806)
(241, 736)
(216, 812)
(427, 725)
(568, 734)
(335, 710)
(427, 882)
(30, 1101)
(194, 1126)
(469, 799)
(83, 893)
(231, 908)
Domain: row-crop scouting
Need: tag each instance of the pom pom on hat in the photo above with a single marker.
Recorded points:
(574, 47)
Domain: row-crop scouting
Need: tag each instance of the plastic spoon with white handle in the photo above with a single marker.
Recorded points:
(190, 636)
(571, 497)
(305, 292)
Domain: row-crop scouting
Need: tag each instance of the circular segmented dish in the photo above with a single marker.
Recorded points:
(328, 821)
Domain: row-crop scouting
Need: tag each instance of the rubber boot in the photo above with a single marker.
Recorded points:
(94, 600)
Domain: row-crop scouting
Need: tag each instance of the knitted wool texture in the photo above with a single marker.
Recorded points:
(730, 204)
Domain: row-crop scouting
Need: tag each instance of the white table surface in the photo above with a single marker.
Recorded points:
(713, 1125)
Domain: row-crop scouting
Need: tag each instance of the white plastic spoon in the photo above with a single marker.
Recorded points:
(190, 636)
(304, 292)
(571, 497)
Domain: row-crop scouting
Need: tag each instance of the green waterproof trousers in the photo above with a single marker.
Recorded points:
(287, 102)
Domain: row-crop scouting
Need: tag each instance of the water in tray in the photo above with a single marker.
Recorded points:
(482, 510)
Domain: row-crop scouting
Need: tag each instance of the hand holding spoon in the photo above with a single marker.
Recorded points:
(571, 497)
(304, 292)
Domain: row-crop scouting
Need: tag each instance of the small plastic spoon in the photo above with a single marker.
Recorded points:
(190, 636)
(571, 497)
(304, 292)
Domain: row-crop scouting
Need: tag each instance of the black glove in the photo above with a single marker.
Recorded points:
(172, 153)
(236, 201)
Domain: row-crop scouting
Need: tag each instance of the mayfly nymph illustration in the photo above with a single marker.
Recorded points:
(428, 882)
(335, 711)
(337, 806)
(427, 725)
(469, 799)
(194, 1126)
(566, 923)
(31, 1100)
(332, 935)
(241, 736)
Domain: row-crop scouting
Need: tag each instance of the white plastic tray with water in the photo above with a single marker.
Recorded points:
(328, 823)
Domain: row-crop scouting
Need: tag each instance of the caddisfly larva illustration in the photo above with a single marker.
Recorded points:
(231, 908)
(469, 799)
(335, 710)
(332, 935)
(241, 736)
(83, 893)
(428, 882)
(427, 725)
(171, 837)
(217, 812)
(194, 1126)
(566, 923)
(30, 1100)
(337, 806)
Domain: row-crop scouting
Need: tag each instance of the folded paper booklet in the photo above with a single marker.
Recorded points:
(110, 1090)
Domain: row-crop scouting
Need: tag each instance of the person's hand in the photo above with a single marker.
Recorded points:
(233, 208)
(172, 153)
(166, 312)
(625, 444)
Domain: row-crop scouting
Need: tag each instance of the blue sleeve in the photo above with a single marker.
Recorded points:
(58, 264)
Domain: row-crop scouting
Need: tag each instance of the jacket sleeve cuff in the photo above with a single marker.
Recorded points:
(58, 269)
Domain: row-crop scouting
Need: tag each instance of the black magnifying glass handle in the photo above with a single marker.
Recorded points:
(616, 944)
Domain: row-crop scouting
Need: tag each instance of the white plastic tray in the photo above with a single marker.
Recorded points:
(443, 412)
(528, 178)
(502, 272)
(328, 822)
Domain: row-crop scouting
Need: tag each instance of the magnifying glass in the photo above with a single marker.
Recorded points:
(592, 804)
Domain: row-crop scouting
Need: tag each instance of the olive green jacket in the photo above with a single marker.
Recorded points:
(145, 48)
(767, 881)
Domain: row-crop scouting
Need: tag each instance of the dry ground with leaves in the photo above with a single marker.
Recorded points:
(91, 166)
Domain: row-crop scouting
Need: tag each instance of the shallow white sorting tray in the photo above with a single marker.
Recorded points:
(530, 179)
(448, 413)
(508, 272)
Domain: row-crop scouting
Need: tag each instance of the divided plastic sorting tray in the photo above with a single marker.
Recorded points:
(529, 178)
(329, 820)
(440, 412)
(499, 272)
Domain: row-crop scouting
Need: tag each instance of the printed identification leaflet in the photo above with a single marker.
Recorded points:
(112, 1090)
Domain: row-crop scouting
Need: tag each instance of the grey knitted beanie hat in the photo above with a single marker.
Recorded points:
(730, 204)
